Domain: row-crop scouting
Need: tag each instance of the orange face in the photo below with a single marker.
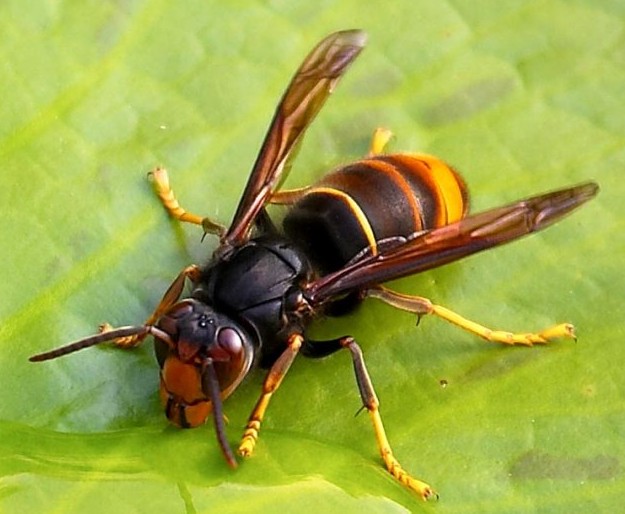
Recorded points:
(181, 393)
(200, 340)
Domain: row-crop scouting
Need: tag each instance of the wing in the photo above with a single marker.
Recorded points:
(309, 88)
(446, 244)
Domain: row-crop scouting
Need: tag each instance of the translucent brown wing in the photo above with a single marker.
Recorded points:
(440, 246)
(310, 87)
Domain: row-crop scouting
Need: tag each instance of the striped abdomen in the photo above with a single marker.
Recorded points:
(373, 199)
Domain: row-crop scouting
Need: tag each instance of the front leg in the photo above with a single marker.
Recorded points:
(160, 181)
(270, 385)
(318, 349)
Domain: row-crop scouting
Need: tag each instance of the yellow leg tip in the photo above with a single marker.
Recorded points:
(121, 342)
(246, 448)
(424, 490)
(159, 179)
(105, 327)
(248, 442)
(564, 330)
(380, 139)
(395, 469)
(160, 183)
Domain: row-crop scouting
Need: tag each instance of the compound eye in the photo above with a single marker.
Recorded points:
(232, 357)
(230, 340)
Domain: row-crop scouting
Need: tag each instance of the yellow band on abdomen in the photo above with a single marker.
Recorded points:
(356, 210)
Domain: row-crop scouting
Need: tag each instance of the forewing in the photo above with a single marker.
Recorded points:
(309, 88)
(446, 244)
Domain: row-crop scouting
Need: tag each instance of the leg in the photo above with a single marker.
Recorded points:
(380, 139)
(271, 384)
(170, 297)
(160, 179)
(371, 403)
(421, 306)
(369, 399)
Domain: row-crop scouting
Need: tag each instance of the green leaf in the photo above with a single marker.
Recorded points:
(522, 97)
